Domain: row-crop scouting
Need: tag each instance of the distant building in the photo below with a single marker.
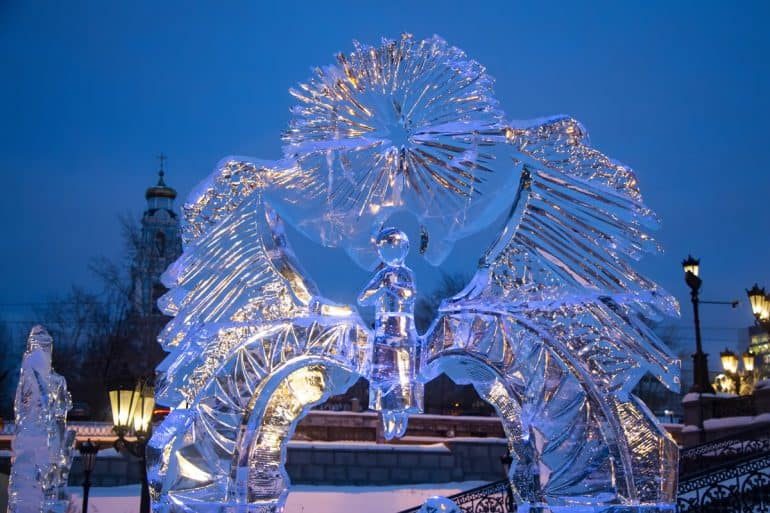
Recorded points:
(759, 344)
(159, 246)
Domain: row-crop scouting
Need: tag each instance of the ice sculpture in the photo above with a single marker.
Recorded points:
(394, 388)
(42, 445)
(553, 329)
(410, 125)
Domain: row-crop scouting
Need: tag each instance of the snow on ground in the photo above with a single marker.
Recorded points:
(302, 498)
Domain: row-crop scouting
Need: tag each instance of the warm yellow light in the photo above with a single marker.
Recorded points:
(123, 402)
(764, 312)
(691, 265)
(729, 361)
(307, 384)
(758, 301)
(748, 361)
(143, 413)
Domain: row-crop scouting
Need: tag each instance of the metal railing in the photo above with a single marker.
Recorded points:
(727, 475)
(491, 498)
(730, 449)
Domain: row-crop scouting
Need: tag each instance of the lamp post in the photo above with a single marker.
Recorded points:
(701, 383)
(507, 460)
(760, 306)
(731, 366)
(88, 451)
(132, 407)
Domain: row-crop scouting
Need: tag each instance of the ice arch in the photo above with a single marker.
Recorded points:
(227, 448)
(231, 441)
(568, 438)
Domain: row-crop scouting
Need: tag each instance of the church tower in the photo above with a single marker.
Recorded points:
(159, 246)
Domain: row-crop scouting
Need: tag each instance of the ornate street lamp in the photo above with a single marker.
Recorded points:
(731, 366)
(691, 265)
(88, 451)
(123, 393)
(701, 385)
(758, 301)
(748, 361)
(729, 361)
(132, 408)
(760, 305)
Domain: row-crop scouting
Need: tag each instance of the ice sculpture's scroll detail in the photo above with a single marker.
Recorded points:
(42, 445)
(553, 329)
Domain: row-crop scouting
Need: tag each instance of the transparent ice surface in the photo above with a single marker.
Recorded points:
(438, 504)
(394, 388)
(407, 125)
(553, 330)
(42, 446)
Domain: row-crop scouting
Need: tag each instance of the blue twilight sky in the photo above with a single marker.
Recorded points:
(90, 92)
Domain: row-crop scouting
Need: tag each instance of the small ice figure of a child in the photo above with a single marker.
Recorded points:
(393, 387)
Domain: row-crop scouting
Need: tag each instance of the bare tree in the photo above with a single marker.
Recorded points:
(13, 348)
(91, 329)
(427, 307)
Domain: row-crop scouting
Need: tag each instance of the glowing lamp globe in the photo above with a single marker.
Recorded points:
(729, 361)
(691, 265)
(758, 300)
(748, 361)
(124, 394)
(142, 419)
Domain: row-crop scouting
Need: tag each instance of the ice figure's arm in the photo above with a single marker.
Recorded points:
(374, 289)
(401, 282)
(403, 292)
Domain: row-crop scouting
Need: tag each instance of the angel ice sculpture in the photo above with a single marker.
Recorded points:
(42, 445)
(394, 388)
(552, 330)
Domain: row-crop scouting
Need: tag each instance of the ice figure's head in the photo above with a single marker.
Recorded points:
(392, 246)
(39, 338)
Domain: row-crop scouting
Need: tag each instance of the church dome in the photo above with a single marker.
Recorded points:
(161, 190)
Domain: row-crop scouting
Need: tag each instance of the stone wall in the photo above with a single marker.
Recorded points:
(709, 417)
(382, 464)
(352, 464)
(366, 427)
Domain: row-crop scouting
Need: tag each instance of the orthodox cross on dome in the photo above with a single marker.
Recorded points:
(162, 158)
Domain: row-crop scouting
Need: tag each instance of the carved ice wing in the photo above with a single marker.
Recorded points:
(237, 277)
(563, 262)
